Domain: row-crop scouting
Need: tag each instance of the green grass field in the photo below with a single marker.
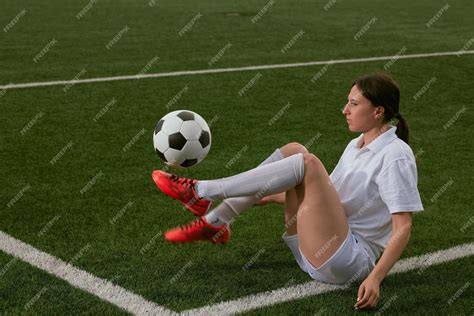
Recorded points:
(116, 225)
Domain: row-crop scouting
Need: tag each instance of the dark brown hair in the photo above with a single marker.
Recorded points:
(383, 91)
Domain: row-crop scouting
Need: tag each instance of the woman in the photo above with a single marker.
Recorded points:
(336, 225)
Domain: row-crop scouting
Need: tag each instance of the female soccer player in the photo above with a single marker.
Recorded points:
(336, 225)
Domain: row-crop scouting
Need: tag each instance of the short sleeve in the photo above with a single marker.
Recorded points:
(398, 186)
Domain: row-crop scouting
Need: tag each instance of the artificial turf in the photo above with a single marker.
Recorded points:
(123, 212)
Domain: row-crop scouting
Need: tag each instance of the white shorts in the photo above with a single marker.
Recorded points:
(350, 263)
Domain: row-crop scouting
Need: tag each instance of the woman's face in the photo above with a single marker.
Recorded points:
(360, 113)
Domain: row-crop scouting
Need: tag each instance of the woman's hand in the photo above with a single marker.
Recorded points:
(369, 293)
(369, 290)
(278, 198)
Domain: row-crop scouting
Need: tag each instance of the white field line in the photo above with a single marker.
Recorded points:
(313, 288)
(101, 288)
(136, 304)
(224, 70)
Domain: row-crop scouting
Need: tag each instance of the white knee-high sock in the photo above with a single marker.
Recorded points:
(264, 180)
(233, 207)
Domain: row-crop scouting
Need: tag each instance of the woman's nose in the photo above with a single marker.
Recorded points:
(345, 110)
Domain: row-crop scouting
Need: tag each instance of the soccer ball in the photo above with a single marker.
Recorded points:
(182, 138)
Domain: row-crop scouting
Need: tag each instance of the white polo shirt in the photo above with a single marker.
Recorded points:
(375, 182)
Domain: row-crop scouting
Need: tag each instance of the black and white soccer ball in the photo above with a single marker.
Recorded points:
(182, 138)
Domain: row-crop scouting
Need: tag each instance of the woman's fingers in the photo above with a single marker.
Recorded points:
(367, 295)
(368, 302)
(360, 294)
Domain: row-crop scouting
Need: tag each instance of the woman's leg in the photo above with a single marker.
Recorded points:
(291, 199)
(291, 212)
(233, 207)
(230, 208)
(320, 220)
(268, 179)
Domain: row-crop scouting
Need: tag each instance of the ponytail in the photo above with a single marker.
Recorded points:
(402, 128)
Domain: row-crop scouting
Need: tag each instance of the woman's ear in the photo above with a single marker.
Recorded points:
(379, 111)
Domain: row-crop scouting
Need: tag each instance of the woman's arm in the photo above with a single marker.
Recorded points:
(369, 290)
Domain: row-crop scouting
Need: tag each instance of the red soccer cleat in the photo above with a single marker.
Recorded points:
(181, 189)
(199, 230)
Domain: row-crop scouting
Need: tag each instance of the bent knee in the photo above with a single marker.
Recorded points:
(293, 148)
(312, 162)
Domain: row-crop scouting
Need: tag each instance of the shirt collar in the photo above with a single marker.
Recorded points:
(379, 142)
